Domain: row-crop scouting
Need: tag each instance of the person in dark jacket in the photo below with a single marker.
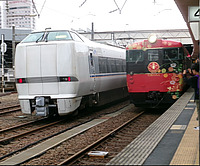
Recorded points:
(193, 81)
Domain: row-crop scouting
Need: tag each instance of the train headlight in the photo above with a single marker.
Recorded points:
(152, 38)
(65, 79)
(68, 79)
(131, 73)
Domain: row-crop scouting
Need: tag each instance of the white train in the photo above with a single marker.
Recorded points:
(59, 71)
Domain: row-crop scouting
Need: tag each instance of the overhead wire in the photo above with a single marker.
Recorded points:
(124, 4)
(52, 9)
(42, 7)
(120, 10)
(83, 3)
(117, 5)
(35, 8)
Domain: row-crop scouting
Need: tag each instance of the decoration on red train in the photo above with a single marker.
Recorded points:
(154, 71)
(158, 44)
(153, 67)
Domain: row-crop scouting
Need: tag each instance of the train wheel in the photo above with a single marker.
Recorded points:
(75, 113)
(53, 112)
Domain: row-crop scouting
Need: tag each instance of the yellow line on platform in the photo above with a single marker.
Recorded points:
(188, 150)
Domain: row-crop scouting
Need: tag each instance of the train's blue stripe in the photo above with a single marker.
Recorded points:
(107, 75)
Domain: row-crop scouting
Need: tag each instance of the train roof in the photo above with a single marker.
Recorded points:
(160, 43)
(86, 40)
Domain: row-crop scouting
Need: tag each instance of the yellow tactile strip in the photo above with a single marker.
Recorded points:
(141, 147)
(188, 150)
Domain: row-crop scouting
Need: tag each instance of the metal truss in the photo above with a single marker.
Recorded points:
(123, 38)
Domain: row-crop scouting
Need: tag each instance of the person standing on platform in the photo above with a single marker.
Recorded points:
(193, 81)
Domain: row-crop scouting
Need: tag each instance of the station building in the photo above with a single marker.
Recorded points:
(20, 13)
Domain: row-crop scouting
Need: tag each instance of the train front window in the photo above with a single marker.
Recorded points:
(47, 36)
(153, 55)
(59, 36)
(33, 37)
(135, 56)
(173, 54)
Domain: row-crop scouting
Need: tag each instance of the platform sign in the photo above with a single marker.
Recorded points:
(193, 13)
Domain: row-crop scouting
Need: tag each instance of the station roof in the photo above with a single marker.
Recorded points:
(183, 7)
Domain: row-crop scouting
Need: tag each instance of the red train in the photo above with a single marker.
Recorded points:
(154, 71)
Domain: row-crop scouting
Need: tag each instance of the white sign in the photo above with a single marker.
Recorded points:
(194, 13)
(3, 47)
(195, 29)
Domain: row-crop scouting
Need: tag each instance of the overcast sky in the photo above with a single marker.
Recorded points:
(109, 15)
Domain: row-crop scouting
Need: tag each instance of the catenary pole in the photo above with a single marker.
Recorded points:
(13, 46)
(199, 75)
(2, 62)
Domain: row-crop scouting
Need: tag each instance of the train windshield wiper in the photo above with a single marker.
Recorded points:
(40, 38)
(43, 37)
(138, 59)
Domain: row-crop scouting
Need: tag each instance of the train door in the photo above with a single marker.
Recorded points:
(92, 71)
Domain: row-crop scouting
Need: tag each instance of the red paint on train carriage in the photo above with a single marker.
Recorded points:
(162, 82)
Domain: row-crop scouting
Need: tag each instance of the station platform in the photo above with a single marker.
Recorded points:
(170, 140)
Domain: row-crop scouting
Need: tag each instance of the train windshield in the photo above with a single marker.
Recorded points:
(138, 56)
(153, 55)
(47, 36)
(173, 54)
(135, 56)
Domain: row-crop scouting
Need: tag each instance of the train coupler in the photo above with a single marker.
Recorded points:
(154, 95)
(41, 108)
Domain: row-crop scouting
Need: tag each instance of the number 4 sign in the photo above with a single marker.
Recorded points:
(194, 13)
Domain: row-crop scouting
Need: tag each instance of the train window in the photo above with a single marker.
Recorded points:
(153, 55)
(47, 36)
(181, 53)
(33, 37)
(102, 65)
(58, 36)
(173, 54)
(119, 65)
(109, 69)
(76, 37)
(124, 65)
(113, 65)
(91, 59)
(135, 56)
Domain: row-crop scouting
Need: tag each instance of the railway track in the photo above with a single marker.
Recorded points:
(77, 141)
(24, 139)
(82, 152)
(24, 129)
(9, 109)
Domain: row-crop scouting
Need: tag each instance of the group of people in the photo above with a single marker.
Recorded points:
(193, 81)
